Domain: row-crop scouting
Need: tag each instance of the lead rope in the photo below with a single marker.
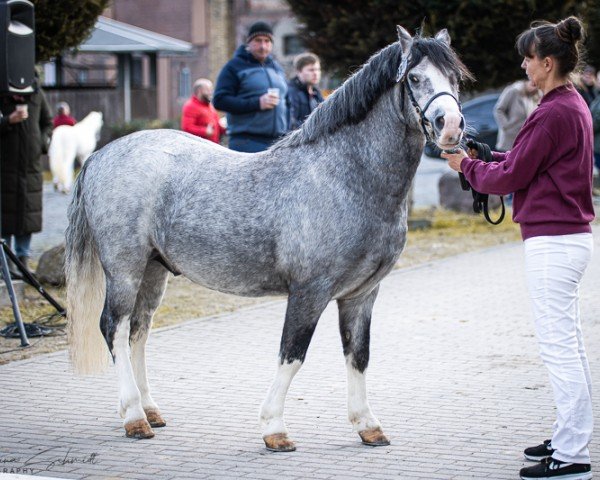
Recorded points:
(480, 200)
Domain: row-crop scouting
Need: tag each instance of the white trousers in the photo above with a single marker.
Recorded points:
(555, 266)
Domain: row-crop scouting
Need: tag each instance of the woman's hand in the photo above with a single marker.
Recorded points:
(454, 159)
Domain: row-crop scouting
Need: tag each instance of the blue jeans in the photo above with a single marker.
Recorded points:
(597, 160)
(250, 145)
(22, 244)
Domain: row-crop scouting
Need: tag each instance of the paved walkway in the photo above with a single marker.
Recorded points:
(455, 380)
(55, 221)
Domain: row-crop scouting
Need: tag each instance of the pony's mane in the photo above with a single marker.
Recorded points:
(350, 103)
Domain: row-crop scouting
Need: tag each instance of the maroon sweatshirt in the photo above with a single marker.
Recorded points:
(549, 168)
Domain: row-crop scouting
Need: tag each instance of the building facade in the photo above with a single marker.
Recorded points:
(214, 27)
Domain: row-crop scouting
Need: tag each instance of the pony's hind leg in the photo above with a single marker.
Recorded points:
(355, 325)
(148, 300)
(121, 292)
(305, 305)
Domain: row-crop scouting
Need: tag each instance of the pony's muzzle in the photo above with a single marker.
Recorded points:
(448, 127)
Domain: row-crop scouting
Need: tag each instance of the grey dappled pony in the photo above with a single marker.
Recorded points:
(320, 216)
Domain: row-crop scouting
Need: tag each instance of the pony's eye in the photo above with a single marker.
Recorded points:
(414, 78)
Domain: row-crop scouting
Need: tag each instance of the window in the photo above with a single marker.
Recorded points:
(82, 76)
(137, 72)
(293, 45)
(185, 82)
(50, 73)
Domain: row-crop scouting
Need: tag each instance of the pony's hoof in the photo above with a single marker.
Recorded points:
(154, 418)
(138, 429)
(279, 442)
(374, 437)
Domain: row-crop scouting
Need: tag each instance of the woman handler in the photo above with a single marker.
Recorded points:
(550, 171)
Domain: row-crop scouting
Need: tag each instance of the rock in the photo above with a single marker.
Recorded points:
(51, 267)
(453, 197)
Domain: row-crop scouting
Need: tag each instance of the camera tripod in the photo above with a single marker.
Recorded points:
(28, 278)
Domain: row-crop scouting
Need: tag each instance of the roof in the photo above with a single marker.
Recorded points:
(112, 36)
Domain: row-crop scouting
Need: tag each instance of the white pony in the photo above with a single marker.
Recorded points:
(71, 142)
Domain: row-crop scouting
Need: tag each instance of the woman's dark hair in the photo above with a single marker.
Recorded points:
(559, 40)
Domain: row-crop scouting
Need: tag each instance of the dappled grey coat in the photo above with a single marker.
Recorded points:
(21, 147)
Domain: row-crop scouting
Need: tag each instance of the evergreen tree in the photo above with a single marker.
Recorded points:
(62, 24)
(483, 32)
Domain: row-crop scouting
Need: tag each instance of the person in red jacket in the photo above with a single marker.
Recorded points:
(63, 116)
(199, 117)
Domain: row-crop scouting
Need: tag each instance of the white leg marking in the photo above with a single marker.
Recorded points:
(130, 407)
(271, 412)
(138, 360)
(359, 411)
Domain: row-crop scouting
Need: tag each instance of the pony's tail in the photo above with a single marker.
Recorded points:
(85, 289)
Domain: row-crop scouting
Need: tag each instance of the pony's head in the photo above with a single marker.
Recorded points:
(430, 73)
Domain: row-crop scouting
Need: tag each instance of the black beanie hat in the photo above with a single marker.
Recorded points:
(259, 28)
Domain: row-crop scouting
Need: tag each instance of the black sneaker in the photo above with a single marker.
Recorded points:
(552, 468)
(539, 453)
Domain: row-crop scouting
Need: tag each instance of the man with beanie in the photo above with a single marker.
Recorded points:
(252, 89)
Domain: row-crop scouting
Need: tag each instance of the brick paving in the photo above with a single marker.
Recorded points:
(455, 380)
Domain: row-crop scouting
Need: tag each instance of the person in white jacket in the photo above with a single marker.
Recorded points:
(515, 104)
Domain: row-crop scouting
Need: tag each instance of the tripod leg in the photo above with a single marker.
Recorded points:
(30, 279)
(12, 296)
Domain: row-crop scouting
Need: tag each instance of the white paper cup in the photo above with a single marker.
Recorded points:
(22, 108)
(273, 92)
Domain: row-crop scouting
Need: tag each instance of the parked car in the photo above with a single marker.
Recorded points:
(480, 121)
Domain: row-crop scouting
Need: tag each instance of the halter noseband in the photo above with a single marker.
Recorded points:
(401, 78)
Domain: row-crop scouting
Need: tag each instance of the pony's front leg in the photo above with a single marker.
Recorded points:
(116, 329)
(304, 308)
(355, 325)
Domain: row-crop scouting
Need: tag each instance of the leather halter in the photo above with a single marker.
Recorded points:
(401, 78)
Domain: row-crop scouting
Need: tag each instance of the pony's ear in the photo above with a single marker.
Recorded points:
(405, 38)
(443, 36)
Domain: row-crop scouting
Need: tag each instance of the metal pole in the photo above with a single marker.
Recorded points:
(127, 86)
(30, 279)
(13, 297)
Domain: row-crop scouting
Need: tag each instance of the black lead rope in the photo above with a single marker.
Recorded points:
(480, 200)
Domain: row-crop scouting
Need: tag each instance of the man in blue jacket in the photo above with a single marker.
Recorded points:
(303, 93)
(252, 89)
